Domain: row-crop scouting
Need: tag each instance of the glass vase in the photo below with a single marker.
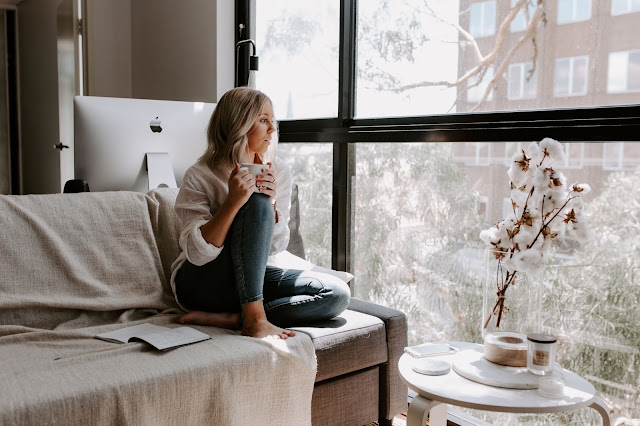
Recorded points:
(511, 301)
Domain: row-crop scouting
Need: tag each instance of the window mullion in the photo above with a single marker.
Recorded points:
(342, 152)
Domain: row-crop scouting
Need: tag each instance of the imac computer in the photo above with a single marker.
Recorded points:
(137, 144)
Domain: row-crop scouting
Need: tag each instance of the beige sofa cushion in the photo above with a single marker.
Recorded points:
(347, 343)
(75, 260)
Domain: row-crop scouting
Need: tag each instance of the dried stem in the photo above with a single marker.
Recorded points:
(550, 220)
(502, 285)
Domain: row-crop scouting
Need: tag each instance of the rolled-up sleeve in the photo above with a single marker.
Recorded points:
(193, 208)
(280, 239)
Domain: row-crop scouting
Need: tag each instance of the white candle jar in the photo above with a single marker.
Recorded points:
(541, 353)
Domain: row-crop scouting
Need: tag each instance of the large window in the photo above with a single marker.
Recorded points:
(619, 7)
(523, 17)
(522, 81)
(624, 72)
(429, 105)
(573, 11)
(571, 76)
(482, 18)
(480, 88)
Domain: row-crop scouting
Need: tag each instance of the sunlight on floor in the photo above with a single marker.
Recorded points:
(400, 420)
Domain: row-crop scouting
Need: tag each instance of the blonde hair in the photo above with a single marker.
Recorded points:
(233, 118)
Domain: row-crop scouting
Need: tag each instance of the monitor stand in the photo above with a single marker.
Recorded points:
(160, 171)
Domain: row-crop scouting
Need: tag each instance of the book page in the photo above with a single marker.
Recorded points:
(123, 335)
(173, 337)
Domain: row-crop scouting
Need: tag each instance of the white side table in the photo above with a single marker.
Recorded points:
(435, 392)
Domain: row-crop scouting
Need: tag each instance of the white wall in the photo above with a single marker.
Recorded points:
(225, 51)
(109, 48)
(160, 49)
(174, 50)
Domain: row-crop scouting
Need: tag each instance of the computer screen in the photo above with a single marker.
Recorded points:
(113, 135)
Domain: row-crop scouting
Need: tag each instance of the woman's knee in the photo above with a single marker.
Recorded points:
(259, 206)
(338, 293)
(259, 202)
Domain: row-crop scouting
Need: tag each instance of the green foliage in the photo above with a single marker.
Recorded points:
(414, 211)
(280, 31)
(311, 167)
(594, 294)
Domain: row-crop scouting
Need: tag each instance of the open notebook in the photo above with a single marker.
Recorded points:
(162, 338)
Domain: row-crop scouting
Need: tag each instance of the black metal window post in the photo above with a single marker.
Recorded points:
(344, 152)
(244, 19)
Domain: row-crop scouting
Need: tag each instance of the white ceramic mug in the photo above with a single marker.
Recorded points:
(255, 170)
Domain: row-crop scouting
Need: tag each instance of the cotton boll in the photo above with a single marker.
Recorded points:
(554, 199)
(519, 171)
(517, 176)
(502, 235)
(505, 227)
(529, 261)
(557, 227)
(524, 237)
(508, 264)
(490, 236)
(535, 199)
(536, 217)
(540, 181)
(539, 243)
(580, 231)
(520, 197)
(558, 179)
(581, 188)
(510, 214)
(536, 153)
(554, 149)
(576, 204)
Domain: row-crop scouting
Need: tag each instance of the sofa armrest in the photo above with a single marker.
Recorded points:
(393, 392)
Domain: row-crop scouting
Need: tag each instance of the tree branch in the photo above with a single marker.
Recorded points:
(529, 34)
(485, 61)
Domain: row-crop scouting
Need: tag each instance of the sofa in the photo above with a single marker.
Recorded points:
(75, 265)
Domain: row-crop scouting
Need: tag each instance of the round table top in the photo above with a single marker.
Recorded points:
(454, 389)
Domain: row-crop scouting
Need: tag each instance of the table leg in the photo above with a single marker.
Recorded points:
(602, 409)
(420, 407)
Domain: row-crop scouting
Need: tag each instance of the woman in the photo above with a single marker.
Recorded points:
(232, 222)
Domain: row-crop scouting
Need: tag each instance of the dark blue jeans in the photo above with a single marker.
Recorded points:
(240, 275)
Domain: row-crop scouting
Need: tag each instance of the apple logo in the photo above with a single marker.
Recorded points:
(155, 126)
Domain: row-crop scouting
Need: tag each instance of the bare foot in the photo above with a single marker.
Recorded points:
(264, 328)
(228, 320)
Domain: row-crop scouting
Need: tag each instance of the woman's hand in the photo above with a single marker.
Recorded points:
(266, 182)
(241, 186)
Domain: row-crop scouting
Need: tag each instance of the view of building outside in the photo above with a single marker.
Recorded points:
(418, 207)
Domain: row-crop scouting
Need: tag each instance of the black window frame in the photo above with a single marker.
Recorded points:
(618, 123)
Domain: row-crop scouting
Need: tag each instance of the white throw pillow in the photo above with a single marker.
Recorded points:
(286, 260)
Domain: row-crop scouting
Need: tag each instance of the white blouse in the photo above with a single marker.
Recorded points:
(201, 195)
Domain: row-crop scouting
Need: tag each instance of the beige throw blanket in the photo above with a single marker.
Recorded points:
(228, 380)
(75, 265)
